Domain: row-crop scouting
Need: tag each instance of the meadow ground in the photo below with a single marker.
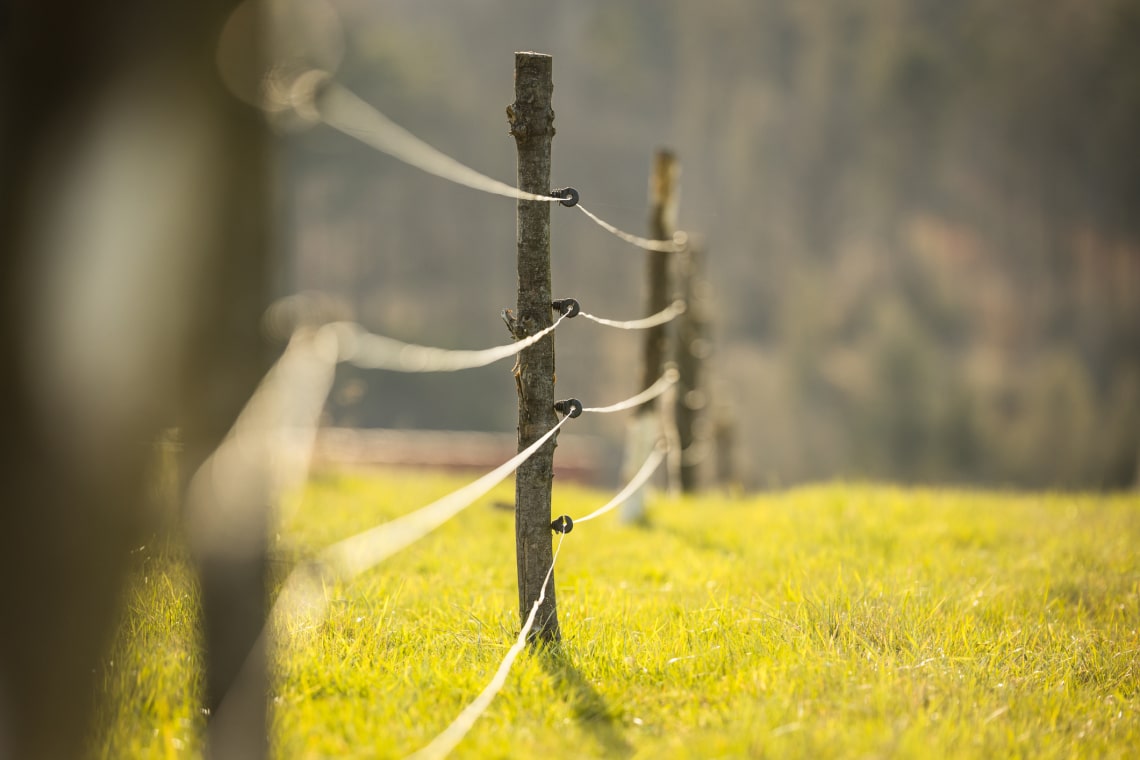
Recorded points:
(832, 621)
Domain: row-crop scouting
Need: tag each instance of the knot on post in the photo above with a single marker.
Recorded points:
(568, 195)
(570, 407)
(562, 524)
(568, 307)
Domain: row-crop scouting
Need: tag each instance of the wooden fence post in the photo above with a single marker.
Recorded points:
(692, 347)
(646, 426)
(725, 434)
(180, 286)
(532, 125)
(662, 224)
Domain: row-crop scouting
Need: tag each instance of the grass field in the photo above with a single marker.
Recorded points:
(832, 621)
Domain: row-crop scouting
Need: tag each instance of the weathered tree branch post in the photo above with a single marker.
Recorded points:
(725, 435)
(646, 426)
(692, 349)
(662, 224)
(532, 125)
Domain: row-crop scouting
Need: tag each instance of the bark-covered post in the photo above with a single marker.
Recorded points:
(646, 427)
(724, 432)
(692, 349)
(662, 224)
(532, 125)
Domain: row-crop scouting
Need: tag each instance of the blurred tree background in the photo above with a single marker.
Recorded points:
(922, 221)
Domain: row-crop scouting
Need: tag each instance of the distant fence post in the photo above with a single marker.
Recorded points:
(663, 197)
(646, 426)
(724, 432)
(532, 125)
(692, 347)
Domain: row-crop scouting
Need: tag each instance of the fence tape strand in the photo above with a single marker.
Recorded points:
(651, 464)
(676, 245)
(663, 383)
(344, 111)
(668, 314)
(370, 351)
(442, 744)
(303, 592)
(341, 109)
(358, 553)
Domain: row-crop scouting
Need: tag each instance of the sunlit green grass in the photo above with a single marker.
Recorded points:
(833, 621)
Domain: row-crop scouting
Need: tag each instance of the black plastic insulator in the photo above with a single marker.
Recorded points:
(568, 195)
(562, 524)
(569, 307)
(570, 407)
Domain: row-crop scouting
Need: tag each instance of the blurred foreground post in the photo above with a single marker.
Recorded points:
(647, 425)
(532, 125)
(134, 265)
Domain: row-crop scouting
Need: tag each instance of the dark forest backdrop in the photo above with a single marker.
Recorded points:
(922, 220)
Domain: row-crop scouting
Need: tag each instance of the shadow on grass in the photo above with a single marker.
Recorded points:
(590, 708)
